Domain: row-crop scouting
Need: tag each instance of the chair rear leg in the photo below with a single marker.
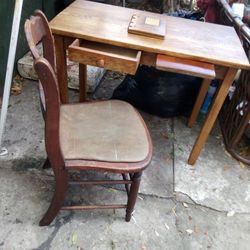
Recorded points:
(124, 176)
(58, 199)
(136, 179)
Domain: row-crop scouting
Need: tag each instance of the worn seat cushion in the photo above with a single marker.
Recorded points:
(104, 131)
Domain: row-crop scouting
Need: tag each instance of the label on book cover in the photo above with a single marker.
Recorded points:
(152, 21)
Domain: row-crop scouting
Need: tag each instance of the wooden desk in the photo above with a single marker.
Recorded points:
(204, 42)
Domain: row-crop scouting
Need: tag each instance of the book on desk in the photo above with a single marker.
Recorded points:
(148, 25)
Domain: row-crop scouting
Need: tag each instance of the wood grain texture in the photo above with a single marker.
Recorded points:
(105, 56)
(185, 66)
(205, 42)
(212, 115)
(61, 68)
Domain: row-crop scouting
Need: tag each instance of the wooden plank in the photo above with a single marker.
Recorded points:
(184, 38)
(185, 66)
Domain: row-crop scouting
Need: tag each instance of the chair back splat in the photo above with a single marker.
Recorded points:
(108, 136)
(37, 30)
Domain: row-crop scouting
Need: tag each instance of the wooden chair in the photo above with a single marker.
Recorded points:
(105, 136)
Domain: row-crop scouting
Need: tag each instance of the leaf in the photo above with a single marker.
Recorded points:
(173, 210)
(230, 213)
(74, 239)
(16, 89)
(242, 165)
(112, 245)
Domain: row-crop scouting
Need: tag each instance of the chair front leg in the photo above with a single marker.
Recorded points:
(136, 179)
(58, 198)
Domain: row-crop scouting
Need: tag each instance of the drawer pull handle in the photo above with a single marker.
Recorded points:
(100, 63)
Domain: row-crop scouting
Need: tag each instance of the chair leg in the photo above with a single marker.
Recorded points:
(46, 164)
(124, 176)
(133, 195)
(58, 198)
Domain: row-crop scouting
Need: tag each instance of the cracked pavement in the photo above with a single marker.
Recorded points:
(179, 206)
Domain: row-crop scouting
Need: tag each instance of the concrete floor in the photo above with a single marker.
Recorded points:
(179, 206)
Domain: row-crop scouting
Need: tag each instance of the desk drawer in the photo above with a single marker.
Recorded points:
(105, 56)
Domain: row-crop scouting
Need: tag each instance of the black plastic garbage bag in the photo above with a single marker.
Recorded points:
(160, 93)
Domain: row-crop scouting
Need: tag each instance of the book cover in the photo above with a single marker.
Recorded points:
(148, 25)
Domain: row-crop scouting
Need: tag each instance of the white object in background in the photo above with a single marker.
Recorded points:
(238, 9)
(9, 70)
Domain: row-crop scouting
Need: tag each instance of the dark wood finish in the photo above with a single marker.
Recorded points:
(61, 62)
(60, 166)
(125, 178)
(37, 30)
(136, 178)
(49, 82)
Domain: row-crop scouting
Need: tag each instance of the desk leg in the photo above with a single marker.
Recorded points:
(201, 96)
(82, 82)
(61, 67)
(212, 115)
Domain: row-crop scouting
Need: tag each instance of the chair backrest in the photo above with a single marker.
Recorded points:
(37, 30)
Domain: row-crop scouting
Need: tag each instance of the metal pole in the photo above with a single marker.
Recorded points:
(9, 70)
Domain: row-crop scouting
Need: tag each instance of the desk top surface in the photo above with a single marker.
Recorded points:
(104, 23)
